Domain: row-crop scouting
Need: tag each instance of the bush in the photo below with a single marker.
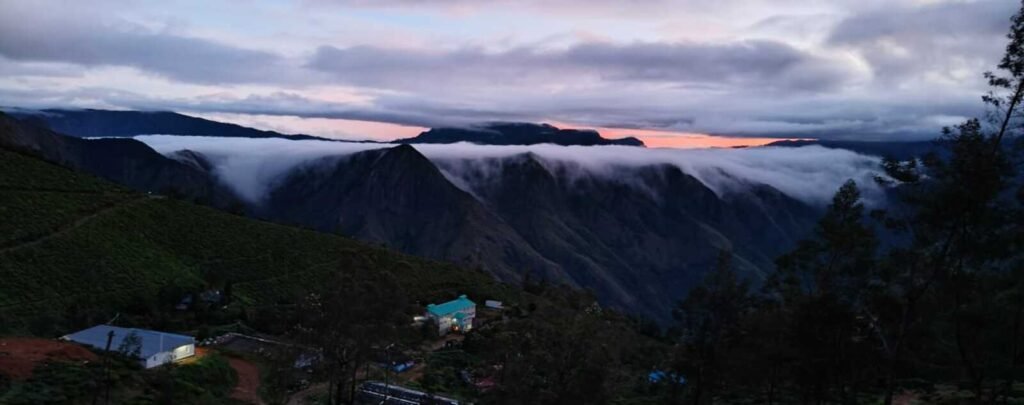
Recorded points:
(210, 374)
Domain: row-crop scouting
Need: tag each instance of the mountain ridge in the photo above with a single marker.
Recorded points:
(124, 161)
(639, 240)
(516, 133)
(638, 247)
(93, 123)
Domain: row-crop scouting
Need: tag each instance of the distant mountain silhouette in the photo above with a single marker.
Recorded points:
(109, 123)
(518, 134)
(899, 150)
(125, 161)
(89, 123)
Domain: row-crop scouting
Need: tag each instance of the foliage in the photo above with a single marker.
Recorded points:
(936, 310)
(131, 346)
(133, 258)
(354, 315)
(209, 375)
(566, 350)
(206, 380)
(54, 383)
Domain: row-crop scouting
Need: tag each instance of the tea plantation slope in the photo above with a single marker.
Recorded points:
(71, 242)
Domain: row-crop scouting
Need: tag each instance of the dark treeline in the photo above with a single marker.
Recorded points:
(935, 313)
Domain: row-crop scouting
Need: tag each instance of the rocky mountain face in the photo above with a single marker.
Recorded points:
(639, 239)
(518, 134)
(643, 238)
(398, 198)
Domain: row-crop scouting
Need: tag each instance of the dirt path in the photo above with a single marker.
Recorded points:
(248, 387)
(19, 356)
(303, 397)
(68, 227)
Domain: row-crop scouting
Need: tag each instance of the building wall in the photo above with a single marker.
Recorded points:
(170, 356)
(445, 323)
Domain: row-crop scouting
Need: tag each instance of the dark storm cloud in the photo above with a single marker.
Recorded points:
(176, 57)
(762, 64)
(898, 42)
(852, 69)
(942, 20)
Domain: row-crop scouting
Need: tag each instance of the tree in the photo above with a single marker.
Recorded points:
(955, 278)
(1008, 84)
(820, 288)
(354, 312)
(709, 320)
(131, 346)
(564, 353)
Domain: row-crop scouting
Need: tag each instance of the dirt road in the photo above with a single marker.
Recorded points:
(248, 386)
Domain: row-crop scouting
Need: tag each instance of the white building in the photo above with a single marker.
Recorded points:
(154, 348)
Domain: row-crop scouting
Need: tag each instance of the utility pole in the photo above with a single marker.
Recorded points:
(387, 371)
(106, 367)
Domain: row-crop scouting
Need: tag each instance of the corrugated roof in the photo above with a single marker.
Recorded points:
(456, 305)
(153, 342)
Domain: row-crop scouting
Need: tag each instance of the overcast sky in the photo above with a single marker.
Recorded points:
(849, 69)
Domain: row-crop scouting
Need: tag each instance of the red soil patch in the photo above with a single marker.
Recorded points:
(19, 356)
(248, 386)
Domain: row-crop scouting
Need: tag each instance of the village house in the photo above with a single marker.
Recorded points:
(455, 315)
(150, 348)
(492, 304)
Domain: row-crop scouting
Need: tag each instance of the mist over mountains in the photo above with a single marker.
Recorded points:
(809, 173)
(639, 227)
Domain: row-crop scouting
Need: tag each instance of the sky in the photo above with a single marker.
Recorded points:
(672, 72)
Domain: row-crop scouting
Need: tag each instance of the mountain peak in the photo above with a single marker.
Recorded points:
(518, 133)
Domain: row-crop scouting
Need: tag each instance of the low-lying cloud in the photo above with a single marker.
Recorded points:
(810, 174)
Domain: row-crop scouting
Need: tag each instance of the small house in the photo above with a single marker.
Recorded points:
(492, 304)
(455, 315)
(150, 348)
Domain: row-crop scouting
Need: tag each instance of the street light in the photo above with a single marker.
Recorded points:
(387, 371)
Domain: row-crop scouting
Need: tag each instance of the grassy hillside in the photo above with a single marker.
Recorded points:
(71, 243)
(75, 251)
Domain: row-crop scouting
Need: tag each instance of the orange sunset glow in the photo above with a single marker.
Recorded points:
(382, 131)
(682, 140)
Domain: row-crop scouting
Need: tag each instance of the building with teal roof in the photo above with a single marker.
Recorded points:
(455, 315)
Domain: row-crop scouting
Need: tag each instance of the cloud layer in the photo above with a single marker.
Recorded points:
(811, 174)
(846, 69)
(753, 64)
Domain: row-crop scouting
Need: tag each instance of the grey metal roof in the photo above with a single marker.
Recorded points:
(153, 342)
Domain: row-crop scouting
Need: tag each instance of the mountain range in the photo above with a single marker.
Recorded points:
(90, 123)
(639, 240)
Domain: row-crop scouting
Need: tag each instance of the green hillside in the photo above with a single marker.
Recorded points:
(75, 251)
(71, 243)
